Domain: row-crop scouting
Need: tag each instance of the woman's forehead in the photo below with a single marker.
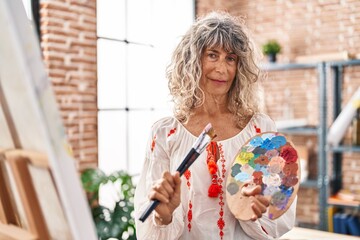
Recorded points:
(218, 48)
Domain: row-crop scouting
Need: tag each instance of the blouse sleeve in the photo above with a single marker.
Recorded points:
(265, 228)
(156, 162)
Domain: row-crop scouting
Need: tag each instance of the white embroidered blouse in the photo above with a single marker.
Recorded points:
(169, 142)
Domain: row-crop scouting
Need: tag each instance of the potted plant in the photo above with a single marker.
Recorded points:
(117, 222)
(271, 48)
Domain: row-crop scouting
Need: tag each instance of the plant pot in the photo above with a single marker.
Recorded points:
(272, 57)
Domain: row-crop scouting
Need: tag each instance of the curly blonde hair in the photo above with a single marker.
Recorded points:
(217, 29)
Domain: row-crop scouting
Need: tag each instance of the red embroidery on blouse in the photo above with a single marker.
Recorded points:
(221, 222)
(172, 131)
(258, 130)
(220, 180)
(187, 175)
(153, 143)
(189, 216)
(264, 230)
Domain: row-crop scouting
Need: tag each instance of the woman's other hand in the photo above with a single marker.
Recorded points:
(259, 203)
(167, 191)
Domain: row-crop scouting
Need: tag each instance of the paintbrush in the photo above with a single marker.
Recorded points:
(198, 147)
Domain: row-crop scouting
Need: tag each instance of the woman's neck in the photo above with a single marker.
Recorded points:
(213, 106)
(216, 112)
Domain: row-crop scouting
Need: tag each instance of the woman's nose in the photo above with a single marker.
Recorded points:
(220, 66)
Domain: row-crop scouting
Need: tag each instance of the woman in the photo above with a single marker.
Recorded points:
(213, 78)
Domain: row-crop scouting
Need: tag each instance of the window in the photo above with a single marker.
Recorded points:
(135, 41)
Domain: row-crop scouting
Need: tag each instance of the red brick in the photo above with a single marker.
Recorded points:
(68, 41)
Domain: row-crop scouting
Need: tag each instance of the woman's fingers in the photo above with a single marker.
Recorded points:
(167, 191)
(155, 195)
(258, 208)
(175, 200)
(165, 188)
(250, 189)
(263, 200)
(177, 181)
(259, 203)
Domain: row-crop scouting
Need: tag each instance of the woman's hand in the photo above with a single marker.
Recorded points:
(259, 203)
(167, 191)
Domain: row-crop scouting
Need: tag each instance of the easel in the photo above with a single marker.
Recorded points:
(40, 191)
(15, 163)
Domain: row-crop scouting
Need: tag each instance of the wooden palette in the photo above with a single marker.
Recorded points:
(271, 161)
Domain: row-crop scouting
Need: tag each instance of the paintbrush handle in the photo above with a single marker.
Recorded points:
(186, 163)
(152, 205)
(188, 160)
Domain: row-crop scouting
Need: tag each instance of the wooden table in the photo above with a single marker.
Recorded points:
(298, 233)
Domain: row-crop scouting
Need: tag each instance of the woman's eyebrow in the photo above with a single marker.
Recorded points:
(217, 51)
(212, 50)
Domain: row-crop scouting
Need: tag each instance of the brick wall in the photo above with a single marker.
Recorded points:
(303, 27)
(68, 41)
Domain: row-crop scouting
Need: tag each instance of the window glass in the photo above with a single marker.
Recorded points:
(146, 78)
(111, 18)
(132, 88)
(112, 132)
(111, 74)
(140, 27)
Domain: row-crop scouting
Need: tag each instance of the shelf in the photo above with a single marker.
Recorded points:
(299, 130)
(339, 202)
(320, 131)
(309, 184)
(287, 66)
(345, 148)
(344, 63)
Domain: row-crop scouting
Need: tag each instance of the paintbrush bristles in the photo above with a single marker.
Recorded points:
(211, 133)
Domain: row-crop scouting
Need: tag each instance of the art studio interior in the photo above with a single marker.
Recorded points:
(73, 162)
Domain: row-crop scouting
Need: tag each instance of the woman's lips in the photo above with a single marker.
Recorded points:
(218, 81)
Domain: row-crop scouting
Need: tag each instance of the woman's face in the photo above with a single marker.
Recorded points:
(218, 70)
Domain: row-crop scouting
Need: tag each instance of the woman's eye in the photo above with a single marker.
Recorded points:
(212, 55)
(232, 59)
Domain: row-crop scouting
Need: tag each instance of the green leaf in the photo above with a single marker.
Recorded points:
(115, 223)
(271, 47)
(92, 179)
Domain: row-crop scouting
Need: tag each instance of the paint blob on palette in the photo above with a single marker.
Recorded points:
(267, 160)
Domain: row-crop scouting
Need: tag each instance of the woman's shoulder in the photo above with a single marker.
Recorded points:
(262, 117)
(264, 121)
(166, 124)
(169, 132)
